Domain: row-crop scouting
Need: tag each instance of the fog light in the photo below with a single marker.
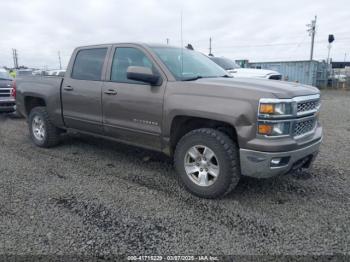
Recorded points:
(276, 161)
(279, 161)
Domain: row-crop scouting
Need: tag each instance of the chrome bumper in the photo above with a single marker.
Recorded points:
(258, 164)
(7, 104)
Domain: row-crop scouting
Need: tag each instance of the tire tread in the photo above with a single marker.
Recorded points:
(231, 151)
(52, 132)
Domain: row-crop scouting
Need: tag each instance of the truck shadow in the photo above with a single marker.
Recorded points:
(155, 170)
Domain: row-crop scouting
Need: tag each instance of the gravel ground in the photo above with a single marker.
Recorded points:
(93, 197)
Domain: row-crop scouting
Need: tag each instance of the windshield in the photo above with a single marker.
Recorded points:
(186, 64)
(5, 75)
(225, 63)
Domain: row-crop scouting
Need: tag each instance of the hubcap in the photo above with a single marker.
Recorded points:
(38, 128)
(201, 165)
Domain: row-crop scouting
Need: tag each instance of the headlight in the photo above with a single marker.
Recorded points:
(275, 109)
(274, 129)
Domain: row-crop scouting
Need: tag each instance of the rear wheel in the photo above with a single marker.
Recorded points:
(42, 131)
(207, 163)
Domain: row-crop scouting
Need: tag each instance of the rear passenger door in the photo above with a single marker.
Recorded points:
(81, 90)
(132, 110)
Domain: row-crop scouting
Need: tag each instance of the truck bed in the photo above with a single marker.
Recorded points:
(49, 89)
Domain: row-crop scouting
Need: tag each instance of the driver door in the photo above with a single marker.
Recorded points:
(132, 110)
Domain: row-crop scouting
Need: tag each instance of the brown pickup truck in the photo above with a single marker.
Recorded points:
(178, 101)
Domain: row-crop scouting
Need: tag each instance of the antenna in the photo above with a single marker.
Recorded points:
(182, 47)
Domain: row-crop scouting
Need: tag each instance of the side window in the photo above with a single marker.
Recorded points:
(88, 64)
(125, 57)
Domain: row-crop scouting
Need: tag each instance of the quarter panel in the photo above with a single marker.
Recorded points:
(46, 88)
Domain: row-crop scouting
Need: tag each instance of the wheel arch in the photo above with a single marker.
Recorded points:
(31, 102)
(182, 124)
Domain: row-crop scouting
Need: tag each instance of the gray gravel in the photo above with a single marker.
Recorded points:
(94, 197)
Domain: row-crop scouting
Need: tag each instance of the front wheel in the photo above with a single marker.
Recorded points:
(42, 131)
(207, 163)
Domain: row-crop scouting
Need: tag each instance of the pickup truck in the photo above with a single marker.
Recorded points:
(7, 99)
(236, 71)
(177, 101)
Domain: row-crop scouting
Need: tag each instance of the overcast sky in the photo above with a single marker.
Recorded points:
(245, 29)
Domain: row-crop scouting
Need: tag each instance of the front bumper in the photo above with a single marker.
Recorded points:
(7, 105)
(258, 164)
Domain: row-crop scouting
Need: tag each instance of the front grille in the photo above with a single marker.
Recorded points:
(307, 106)
(303, 127)
(5, 92)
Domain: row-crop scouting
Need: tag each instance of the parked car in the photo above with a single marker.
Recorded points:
(7, 92)
(234, 69)
(39, 72)
(340, 77)
(216, 127)
(24, 72)
(58, 72)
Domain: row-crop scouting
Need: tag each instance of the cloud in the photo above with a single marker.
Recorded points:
(254, 30)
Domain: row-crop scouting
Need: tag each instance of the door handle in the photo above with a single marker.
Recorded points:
(110, 92)
(68, 88)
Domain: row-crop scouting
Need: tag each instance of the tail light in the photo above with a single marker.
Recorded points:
(13, 91)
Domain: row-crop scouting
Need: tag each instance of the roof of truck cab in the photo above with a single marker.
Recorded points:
(129, 43)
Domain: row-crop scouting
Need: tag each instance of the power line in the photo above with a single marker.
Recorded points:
(277, 44)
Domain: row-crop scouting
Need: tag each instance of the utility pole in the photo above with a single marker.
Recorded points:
(15, 58)
(210, 54)
(312, 32)
(329, 52)
(59, 59)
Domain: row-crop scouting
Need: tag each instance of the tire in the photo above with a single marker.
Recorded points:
(225, 167)
(48, 134)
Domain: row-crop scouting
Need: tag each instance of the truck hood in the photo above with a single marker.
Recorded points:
(252, 87)
(251, 72)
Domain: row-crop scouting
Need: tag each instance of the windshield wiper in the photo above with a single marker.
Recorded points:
(192, 78)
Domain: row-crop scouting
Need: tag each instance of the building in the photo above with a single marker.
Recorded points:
(340, 64)
(306, 72)
(340, 68)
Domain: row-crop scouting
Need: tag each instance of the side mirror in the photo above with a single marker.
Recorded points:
(141, 73)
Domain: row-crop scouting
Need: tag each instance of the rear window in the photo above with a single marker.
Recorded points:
(88, 64)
